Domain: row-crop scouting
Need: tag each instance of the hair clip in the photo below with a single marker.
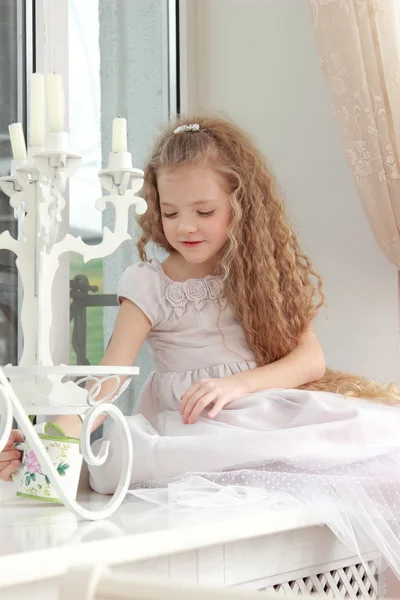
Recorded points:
(191, 127)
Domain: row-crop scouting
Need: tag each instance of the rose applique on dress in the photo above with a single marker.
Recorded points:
(176, 297)
(198, 291)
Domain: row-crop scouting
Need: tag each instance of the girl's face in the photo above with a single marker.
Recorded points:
(195, 210)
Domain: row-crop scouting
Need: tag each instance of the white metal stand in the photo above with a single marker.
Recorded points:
(36, 386)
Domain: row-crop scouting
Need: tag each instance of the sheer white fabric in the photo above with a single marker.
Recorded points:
(358, 43)
(272, 449)
(280, 448)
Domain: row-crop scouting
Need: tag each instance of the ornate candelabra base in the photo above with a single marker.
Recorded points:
(12, 407)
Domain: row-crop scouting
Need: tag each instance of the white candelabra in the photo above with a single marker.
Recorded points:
(36, 186)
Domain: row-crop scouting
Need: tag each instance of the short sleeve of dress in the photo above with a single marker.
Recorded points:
(142, 283)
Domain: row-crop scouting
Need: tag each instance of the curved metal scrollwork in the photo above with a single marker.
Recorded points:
(12, 406)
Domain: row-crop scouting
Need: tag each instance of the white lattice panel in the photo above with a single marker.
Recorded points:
(355, 581)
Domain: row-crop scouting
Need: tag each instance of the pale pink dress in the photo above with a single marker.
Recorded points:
(341, 455)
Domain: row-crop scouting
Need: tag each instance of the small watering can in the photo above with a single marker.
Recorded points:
(33, 482)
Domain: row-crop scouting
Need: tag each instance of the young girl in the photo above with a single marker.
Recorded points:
(240, 395)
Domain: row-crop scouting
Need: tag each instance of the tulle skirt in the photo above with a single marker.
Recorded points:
(277, 448)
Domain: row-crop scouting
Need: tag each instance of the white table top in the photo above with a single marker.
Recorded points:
(39, 540)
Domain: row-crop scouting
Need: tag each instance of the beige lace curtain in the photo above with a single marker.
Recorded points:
(358, 43)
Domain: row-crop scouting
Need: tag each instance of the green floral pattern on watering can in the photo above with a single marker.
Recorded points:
(64, 452)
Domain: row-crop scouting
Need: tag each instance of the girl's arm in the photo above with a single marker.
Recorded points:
(304, 364)
(131, 329)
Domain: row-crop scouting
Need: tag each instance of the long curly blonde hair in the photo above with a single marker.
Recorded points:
(269, 281)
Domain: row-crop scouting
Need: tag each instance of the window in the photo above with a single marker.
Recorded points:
(117, 58)
(121, 63)
(13, 55)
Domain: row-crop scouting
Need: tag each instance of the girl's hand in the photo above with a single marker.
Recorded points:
(218, 392)
(10, 457)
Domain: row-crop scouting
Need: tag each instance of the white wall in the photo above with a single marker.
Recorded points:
(257, 63)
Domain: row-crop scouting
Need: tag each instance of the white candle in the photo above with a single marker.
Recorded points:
(17, 141)
(55, 102)
(37, 127)
(119, 136)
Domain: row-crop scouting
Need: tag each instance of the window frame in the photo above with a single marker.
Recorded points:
(50, 20)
